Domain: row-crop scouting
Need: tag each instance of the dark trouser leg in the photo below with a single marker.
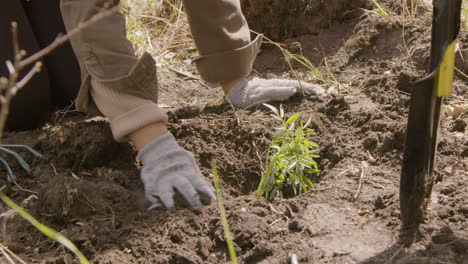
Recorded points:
(64, 70)
(32, 103)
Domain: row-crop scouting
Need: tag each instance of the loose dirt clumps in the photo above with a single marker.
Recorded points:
(87, 186)
(280, 19)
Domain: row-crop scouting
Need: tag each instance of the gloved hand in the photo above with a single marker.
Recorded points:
(167, 166)
(256, 91)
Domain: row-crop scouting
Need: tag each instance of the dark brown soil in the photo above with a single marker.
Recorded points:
(280, 19)
(87, 186)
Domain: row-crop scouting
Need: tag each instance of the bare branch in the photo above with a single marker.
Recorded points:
(3, 83)
(37, 68)
(11, 68)
(9, 86)
(16, 48)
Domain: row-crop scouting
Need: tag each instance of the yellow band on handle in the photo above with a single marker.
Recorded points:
(444, 76)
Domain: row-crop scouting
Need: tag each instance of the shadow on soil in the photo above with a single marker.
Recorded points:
(445, 247)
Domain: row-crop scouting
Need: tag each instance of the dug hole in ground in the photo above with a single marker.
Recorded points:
(88, 186)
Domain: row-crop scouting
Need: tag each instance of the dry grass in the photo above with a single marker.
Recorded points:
(379, 10)
(464, 16)
(410, 9)
(160, 28)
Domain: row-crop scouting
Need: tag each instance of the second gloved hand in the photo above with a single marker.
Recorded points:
(168, 167)
(248, 93)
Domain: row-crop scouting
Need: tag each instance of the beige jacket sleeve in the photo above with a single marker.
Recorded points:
(107, 59)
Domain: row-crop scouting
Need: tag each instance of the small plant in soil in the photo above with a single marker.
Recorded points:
(380, 11)
(290, 159)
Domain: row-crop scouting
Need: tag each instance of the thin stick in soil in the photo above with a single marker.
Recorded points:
(361, 178)
(9, 255)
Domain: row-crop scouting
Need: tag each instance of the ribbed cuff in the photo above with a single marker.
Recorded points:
(124, 124)
(141, 82)
(228, 66)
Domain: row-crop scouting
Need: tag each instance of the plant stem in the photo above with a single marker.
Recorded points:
(222, 211)
(49, 232)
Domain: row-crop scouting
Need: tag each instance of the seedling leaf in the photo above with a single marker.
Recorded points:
(273, 109)
(293, 118)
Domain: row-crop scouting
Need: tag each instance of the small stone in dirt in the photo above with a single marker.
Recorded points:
(405, 82)
(465, 153)
(335, 106)
(459, 125)
(379, 204)
(388, 141)
(370, 142)
(378, 125)
(202, 248)
(296, 226)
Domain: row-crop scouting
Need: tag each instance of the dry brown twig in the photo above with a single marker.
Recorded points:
(9, 256)
(9, 86)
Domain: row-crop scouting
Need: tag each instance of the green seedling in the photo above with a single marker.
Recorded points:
(380, 11)
(222, 212)
(22, 162)
(290, 157)
(49, 232)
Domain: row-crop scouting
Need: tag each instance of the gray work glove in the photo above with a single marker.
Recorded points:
(256, 91)
(167, 166)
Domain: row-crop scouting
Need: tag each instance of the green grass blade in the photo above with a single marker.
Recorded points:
(222, 211)
(8, 169)
(372, 11)
(308, 64)
(21, 161)
(49, 232)
(379, 7)
(383, 12)
(462, 73)
(330, 73)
